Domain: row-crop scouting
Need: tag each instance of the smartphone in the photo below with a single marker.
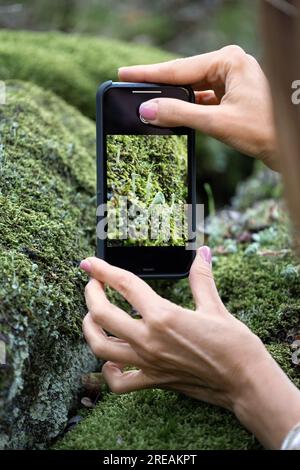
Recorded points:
(146, 189)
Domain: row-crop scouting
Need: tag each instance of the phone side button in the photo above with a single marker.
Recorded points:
(148, 270)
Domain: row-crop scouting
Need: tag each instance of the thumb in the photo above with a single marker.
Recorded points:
(201, 279)
(169, 112)
(125, 382)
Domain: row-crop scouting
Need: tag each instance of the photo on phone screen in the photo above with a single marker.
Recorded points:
(147, 175)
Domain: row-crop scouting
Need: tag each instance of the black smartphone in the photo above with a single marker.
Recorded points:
(146, 192)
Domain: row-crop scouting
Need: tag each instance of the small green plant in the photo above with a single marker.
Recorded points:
(150, 171)
(211, 201)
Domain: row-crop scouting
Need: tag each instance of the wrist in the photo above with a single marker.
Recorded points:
(269, 155)
(271, 160)
(268, 403)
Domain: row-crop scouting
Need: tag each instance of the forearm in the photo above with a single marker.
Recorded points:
(269, 404)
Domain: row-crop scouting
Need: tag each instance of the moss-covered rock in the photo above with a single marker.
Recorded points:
(47, 200)
(70, 65)
(47, 225)
(73, 66)
(261, 287)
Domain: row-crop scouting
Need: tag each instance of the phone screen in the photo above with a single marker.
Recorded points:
(146, 183)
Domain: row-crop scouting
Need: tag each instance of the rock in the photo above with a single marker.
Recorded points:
(73, 422)
(93, 382)
(47, 227)
(87, 402)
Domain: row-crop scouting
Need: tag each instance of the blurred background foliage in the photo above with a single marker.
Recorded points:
(183, 27)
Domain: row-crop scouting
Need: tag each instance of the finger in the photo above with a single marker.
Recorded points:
(169, 112)
(207, 98)
(207, 395)
(125, 382)
(201, 71)
(109, 316)
(201, 280)
(106, 347)
(131, 287)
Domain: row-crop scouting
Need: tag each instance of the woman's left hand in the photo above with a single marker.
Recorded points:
(204, 353)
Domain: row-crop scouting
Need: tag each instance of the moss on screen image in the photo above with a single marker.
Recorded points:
(151, 172)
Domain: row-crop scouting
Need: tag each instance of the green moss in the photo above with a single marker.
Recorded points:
(73, 66)
(258, 294)
(47, 223)
(70, 65)
(151, 173)
(47, 199)
(257, 291)
(157, 420)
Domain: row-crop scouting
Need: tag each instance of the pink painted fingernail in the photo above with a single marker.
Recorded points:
(205, 252)
(86, 266)
(148, 110)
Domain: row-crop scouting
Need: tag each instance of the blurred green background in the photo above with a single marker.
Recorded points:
(184, 27)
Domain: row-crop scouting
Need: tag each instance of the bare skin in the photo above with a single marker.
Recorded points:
(233, 100)
(205, 353)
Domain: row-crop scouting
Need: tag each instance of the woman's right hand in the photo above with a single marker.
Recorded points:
(233, 100)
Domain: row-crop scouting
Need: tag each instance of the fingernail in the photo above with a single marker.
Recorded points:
(86, 266)
(205, 253)
(148, 110)
(206, 99)
(122, 69)
(124, 73)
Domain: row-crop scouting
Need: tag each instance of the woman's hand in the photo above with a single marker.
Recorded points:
(233, 101)
(207, 353)
(200, 353)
